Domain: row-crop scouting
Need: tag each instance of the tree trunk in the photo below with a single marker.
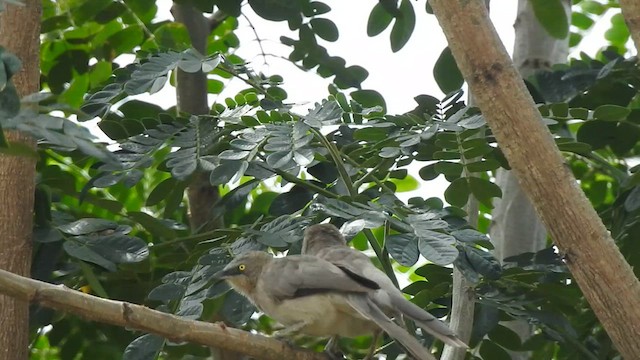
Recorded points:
(191, 91)
(515, 227)
(631, 12)
(19, 34)
(603, 275)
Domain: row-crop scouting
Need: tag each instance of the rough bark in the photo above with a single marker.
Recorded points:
(191, 91)
(515, 227)
(603, 275)
(141, 318)
(631, 12)
(19, 34)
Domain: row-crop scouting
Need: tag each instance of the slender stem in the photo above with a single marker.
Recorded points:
(382, 256)
(337, 159)
(294, 179)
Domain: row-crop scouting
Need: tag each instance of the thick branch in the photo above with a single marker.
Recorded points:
(606, 280)
(631, 12)
(144, 319)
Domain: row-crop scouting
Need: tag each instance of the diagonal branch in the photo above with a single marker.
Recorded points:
(142, 318)
(605, 278)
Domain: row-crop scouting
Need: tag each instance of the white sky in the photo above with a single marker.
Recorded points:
(399, 77)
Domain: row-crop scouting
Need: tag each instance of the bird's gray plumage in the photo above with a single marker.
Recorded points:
(326, 242)
(310, 295)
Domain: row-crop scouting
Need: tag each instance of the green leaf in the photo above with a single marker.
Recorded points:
(581, 21)
(228, 172)
(632, 202)
(276, 10)
(144, 348)
(481, 166)
(161, 191)
(484, 190)
(428, 172)
(469, 235)
(369, 99)
(237, 309)
(505, 337)
(458, 192)
(437, 248)
(324, 28)
(107, 250)
(290, 202)
(551, 15)
(490, 350)
(611, 113)
(483, 262)
(87, 226)
(448, 168)
(403, 248)
(446, 72)
(403, 26)
(155, 226)
(379, 19)
(167, 292)
(173, 35)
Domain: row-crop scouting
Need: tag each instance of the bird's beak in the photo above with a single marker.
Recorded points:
(226, 273)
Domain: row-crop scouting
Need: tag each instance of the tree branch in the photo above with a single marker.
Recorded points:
(142, 318)
(603, 275)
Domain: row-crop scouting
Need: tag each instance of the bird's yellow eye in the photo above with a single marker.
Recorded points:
(241, 267)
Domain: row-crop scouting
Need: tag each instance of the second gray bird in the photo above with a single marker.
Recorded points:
(326, 242)
(314, 297)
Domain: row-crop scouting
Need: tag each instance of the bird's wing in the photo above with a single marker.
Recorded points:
(366, 308)
(302, 275)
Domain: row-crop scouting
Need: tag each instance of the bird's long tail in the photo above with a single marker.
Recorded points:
(426, 321)
(365, 307)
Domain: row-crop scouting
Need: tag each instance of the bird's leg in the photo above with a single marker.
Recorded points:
(332, 349)
(290, 330)
(374, 345)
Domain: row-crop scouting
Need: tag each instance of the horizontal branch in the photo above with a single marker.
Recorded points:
(142, 318)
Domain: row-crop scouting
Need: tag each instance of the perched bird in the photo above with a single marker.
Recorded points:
(326, 242)
(311, 296)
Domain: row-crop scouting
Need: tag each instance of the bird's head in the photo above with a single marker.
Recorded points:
(243, 271)
(320, 236)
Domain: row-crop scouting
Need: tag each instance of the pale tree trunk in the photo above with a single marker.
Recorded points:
(463, 300)
(19, 34)
(515, 226)
(605, 278)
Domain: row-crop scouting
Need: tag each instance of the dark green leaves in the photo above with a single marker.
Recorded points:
(403, 248)
(458, 191)
(107, 251)
(276, 10)
(403, 26)
(379, 19)
(324, 28)
(446, 72)
(550, 14)
(143, 348)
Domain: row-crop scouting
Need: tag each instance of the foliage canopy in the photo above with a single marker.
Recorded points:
(115, 222)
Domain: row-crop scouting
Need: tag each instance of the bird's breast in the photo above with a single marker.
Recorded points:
(327, 314)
